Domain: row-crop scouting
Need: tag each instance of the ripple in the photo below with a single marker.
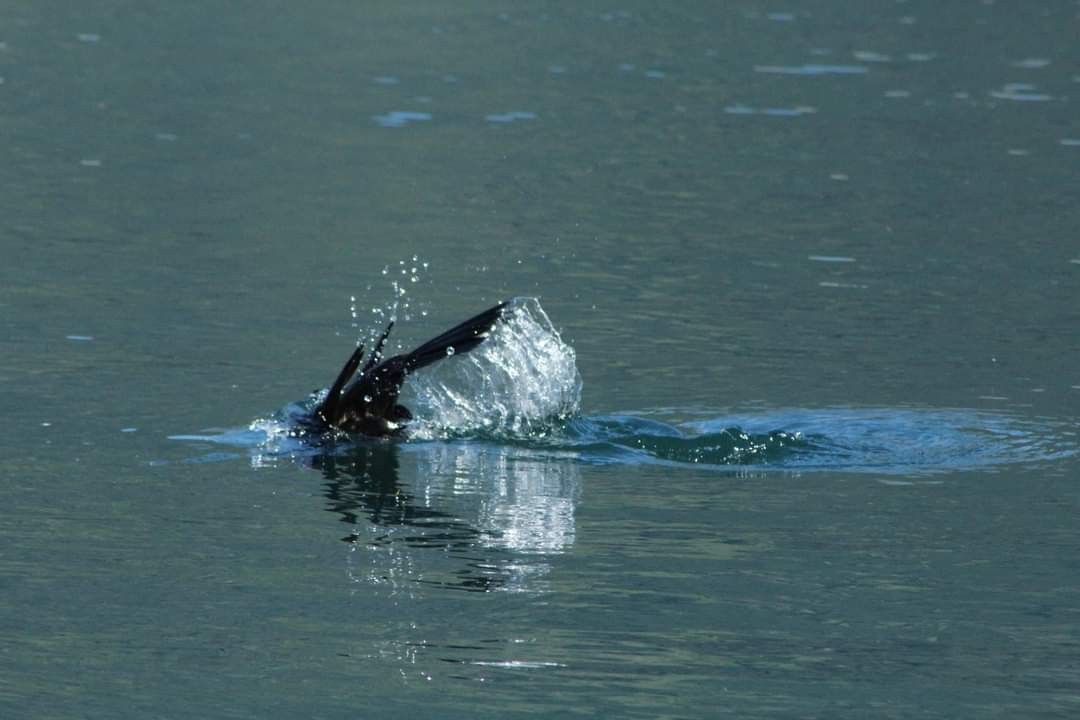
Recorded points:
(509, 117)
(909, 441)
(1034, 63)
(1020, 92)
(834, 284)
(770, 111)
(812, 69)
(400, 118)
(870, 56)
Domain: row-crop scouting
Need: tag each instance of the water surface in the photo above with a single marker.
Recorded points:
(815, 263)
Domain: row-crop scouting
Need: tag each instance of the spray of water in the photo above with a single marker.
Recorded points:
(519, 382)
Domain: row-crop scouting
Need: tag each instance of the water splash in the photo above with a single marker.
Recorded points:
(397, 303)
(520, 383)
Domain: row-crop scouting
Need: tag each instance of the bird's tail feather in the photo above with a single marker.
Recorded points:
(328, 409)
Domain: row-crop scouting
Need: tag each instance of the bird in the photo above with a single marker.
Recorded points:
(367, 403)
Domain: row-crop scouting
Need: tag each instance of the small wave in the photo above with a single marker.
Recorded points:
(628, 439)
(907, 440)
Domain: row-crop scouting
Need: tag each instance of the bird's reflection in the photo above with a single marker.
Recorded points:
(495, 512)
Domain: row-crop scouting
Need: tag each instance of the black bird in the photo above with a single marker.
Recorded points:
(369, 404)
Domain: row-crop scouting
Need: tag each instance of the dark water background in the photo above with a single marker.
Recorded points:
(857, 221)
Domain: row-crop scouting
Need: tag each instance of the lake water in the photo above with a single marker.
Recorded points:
(800, 439)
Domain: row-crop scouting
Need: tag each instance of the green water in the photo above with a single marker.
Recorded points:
(856, 219)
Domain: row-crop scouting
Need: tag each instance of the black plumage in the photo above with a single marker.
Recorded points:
(367, 404)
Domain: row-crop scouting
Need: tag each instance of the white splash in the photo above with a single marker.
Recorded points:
(517, 382)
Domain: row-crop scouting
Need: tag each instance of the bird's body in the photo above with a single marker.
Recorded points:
(367, 404)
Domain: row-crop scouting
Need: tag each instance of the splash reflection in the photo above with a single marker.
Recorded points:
(494, 512)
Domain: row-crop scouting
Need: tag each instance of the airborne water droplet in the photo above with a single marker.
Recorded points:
(450, 351)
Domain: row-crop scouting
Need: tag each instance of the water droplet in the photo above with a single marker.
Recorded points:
(450, 351)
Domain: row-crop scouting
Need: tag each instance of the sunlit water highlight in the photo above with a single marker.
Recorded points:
(518, 396)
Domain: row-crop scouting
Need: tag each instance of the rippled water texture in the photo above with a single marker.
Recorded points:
(791, 431)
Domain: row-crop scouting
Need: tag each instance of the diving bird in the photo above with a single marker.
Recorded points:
(367, 404)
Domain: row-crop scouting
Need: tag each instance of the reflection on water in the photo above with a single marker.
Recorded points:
(481, 505)
(526, 502)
